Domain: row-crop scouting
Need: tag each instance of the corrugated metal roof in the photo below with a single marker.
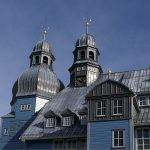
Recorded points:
(74, 98)
(37, 80)
(143, 118)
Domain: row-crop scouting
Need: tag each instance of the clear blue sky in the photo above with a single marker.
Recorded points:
(121, 29)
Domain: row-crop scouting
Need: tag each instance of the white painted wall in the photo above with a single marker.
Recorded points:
(40, 102)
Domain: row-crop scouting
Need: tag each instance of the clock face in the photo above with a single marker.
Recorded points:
(81, 81)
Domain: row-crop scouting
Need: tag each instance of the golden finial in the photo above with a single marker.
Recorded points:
(88, 20)
(45, 32)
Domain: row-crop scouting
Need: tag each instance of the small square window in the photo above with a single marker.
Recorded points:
(50, 122)
(142, 101)
(23, 107)
(6, 131)
(78, 68)
(28, 107)
(67, 121)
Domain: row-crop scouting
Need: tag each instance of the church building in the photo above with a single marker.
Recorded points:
(96, 111)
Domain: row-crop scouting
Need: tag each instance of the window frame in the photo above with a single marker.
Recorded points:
(117, 107)
(37, 57)
(118, 138)
(142, 138)
(23, 107)
(143, 99)
(45, 60)
(101, 108)
(67, 121)
(28, 108)
(91, 55)
(5, 131)
(50, 122)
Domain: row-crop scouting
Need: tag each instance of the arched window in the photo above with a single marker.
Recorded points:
(45, 60)
(82, 54)
(37, 59)
(91, 55)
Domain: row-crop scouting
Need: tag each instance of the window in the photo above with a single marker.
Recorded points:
(142, 101)
(101, 108)
(45, 60)
(58, 145)
(91, 55)
(82, 54)
(71, 144)
(37, 59)
(50, 122)
(67, 121)
(117, 107)
(118, 138)
(28, 107)
(83, 67)
(25, 107)
(78, 68)
(143, 139)
(6, 131)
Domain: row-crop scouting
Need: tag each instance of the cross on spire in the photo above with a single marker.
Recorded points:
(45, 32)
(88, 20)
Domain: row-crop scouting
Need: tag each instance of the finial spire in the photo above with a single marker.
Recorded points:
(109, 73)
(88, 20)
(45, 32)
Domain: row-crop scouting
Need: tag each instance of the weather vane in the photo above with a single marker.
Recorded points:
(88, 20)
(45, 32)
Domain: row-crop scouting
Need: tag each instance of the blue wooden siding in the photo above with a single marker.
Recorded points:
(15, 124)
(24, 115)
(100, 134)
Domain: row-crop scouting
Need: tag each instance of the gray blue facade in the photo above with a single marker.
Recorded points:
(100, 134)
(96, 111)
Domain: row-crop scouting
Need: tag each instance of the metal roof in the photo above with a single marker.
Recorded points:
(142, 118)
(38, 80)
(73, 98)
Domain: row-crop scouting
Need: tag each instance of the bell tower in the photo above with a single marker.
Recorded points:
(85, 69)
(42, 53)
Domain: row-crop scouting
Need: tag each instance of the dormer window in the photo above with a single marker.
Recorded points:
(82, 54)
(91, 55)
(50, 122)
(45, 60)
(67, 121)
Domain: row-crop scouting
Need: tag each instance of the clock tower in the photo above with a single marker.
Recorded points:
(85, 69)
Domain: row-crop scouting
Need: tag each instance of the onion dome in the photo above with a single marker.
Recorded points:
(42, 46)
(86, 40)
(38, 80)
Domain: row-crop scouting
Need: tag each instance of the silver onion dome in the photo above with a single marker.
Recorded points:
(42, 46)
(86, 40)
(37, 80)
